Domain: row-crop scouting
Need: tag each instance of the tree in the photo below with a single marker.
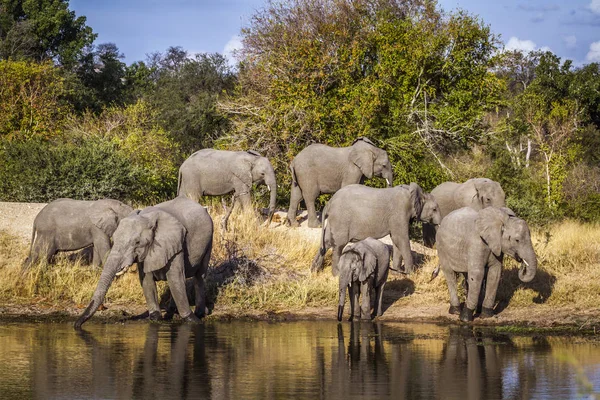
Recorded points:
(42, 30)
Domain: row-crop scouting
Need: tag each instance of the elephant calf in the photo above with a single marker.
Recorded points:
(67, 225)
(171, 241)
(472, 241)
(365, 264)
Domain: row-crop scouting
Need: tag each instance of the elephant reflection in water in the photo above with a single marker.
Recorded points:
(486, 367)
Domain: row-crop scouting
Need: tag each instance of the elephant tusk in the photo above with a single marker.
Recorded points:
(387, 181)
(269, 187)
(121, 272)
(526, 263)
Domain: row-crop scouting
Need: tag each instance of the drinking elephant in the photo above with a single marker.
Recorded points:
(363, 266)
(322, 169)
(472, 242)
(218, 172)
(170, 241)
(477, 193)
(356, 212)
(67, 225)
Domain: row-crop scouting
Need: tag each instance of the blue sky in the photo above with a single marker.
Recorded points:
(570, 28)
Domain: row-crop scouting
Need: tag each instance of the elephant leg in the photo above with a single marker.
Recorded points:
(295, 198)
(365, 301)
(401, 251)
(335, 259)
(200, 289)
(176, 280)
(475, 278)
(354, 304)
(379, 299)
(244, 199)
(491, 286)
(452, 289)
(101, 249)
(150, 293)
(310, 197)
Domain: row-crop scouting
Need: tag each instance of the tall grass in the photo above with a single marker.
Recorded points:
(255, 269)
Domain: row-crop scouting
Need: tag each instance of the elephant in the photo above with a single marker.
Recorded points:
(67, 224)
(477, 193)
(356, 212)
(219, 172)
(365, 264)
(322, 169)
(170, 241)
(474, 242)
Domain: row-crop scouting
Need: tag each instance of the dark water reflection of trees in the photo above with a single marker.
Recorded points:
(289, 360)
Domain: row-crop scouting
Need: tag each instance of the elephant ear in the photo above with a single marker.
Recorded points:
(490, 225)
(416, 199)
(363, 159)
(106, 220)
(169, 236)
(369, 265)
(242, 170)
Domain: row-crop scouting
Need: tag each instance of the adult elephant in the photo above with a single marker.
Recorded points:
(474, 242)
(171, 241)
(477, 193)
(356, 212)
(210, 172)
(322, 169)
(67, 225)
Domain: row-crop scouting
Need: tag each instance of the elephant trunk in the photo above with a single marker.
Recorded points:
(272, 184)
(108, 275)
(389, 178)
(528, 267)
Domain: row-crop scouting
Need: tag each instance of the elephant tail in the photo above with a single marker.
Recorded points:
(435, 273)
(293, 173)
(28, 260)
(179, 182)
(317, 263)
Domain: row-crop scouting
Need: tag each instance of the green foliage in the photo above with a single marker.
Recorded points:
(30, 99)
(120, 153)
(42, 30)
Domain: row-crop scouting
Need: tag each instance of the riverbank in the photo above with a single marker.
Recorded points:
(263, 274)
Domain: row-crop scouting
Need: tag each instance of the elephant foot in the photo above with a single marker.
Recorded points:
(192, 318)
(454, 310)
(466, 315)
(314, 224)
(486, 312)
(168, 316)
(201, 313)
(340, 313)
(155, 316)
(293, 223)
(366, 317)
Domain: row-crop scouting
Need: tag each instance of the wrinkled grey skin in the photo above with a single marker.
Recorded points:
(470, 241)
(357, 212)
(171, 241)
(363, 266)
(67, 225)
(322, 169)
(212, 172)
(477, 193)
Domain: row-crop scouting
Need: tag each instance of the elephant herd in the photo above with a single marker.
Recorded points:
(467, 222)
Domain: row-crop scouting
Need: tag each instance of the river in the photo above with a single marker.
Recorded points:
(308, 360)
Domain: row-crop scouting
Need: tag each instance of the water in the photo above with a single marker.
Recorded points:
(260, 360)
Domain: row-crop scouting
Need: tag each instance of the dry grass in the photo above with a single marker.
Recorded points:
(255, 270)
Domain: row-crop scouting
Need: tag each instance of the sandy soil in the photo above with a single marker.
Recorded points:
(17, 218)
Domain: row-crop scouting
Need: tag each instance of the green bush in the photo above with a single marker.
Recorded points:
(41, 171)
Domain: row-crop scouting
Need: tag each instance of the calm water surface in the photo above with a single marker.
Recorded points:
(260, 360)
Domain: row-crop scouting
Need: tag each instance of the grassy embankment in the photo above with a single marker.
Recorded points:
(267, 270)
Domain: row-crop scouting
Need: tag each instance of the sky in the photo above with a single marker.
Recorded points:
(569, 28)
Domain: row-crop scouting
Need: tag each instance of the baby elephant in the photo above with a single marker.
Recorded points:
(475, 241)
(365, 264)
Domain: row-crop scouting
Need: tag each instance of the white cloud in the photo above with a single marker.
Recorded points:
(235, 43)
(595, 6)
(514, 43)
(594, 54)
(526, 46)
(570, 41)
